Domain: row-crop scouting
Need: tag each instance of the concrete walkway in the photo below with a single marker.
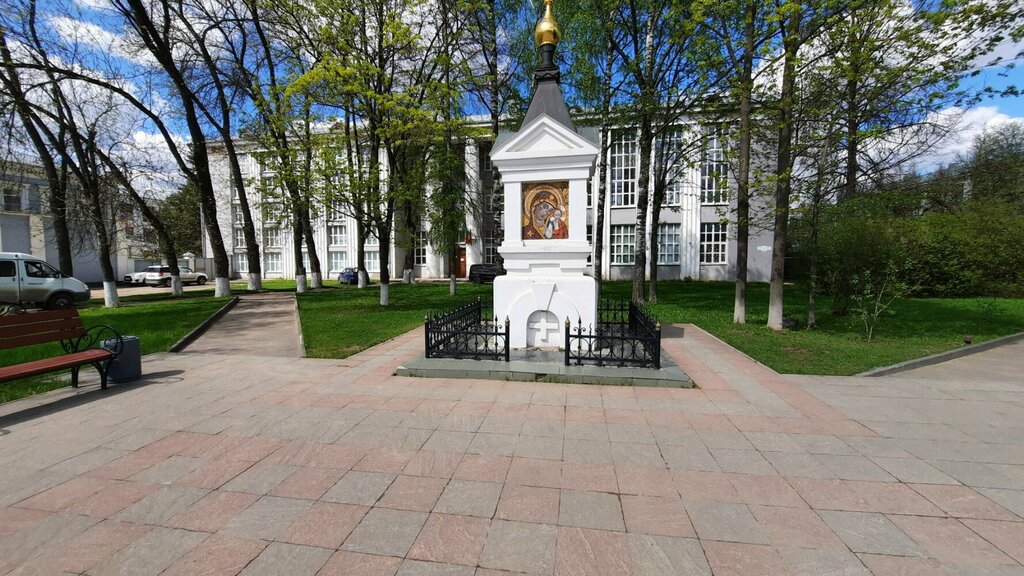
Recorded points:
(1003, 363)
(264, 324)
(251, 464)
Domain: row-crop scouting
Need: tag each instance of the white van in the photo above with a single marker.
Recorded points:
(28, 281)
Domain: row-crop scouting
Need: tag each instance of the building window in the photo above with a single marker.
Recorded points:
(491, 241)
(338, 260)
(372, 261)
(273, 213)
(12, 200)
(419, 255)
(239, 238)
(668, 244)
(371, 240)
(338, 235)
(305, 262)
(485, 158)
(714, 169)
(241, 263)
(273, 237)
(238, 214)
(273, 262)
(623, 243)
(669, 152)
(713, 243)
(336, 210)
(623, 168)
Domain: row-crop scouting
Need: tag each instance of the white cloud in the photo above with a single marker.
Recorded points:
(92, 4)
(79, 31)
(960, 139)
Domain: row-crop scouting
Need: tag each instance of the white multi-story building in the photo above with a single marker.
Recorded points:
(696, 233)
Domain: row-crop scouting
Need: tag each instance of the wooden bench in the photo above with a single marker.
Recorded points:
(81, 345)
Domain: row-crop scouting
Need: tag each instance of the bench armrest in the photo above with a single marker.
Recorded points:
(93, 338)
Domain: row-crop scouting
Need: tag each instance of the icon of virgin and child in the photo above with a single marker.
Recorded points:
(545, 210)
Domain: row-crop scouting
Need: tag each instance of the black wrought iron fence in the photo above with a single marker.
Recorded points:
(625, 335)
(469, 331)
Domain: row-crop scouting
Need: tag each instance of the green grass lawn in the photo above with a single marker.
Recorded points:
(158, 324)
(341, 321)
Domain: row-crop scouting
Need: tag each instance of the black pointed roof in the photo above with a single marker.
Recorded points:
(547, 93)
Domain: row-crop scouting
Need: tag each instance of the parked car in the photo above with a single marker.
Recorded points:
(28, 281)
(480, 273)
(348, 276)
(161, 276)
(136, 278)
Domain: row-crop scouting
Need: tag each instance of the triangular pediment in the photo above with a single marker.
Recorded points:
(544, 137)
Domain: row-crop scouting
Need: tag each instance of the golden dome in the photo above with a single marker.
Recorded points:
(547, 30)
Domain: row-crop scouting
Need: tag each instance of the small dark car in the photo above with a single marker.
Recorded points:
(348, 276)
(480, 273)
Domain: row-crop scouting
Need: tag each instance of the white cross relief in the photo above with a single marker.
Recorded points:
(543, 327)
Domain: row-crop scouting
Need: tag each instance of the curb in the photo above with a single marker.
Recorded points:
(942, 356)
(203, 327)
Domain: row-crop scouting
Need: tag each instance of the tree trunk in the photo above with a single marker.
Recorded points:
(316, 280)
(783, 172)
(652, 289)
(252, 245)
(642, 202)
(852, 140)
(746, 86)
(647, 110)
(363, 279)
(384, 236)
(602, 170)
(300, 267)
(99, 221)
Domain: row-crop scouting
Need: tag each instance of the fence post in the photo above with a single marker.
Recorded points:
(507, 347)
(567, 340)
(657, 345)
(426, 336)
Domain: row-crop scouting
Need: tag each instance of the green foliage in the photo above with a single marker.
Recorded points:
(179, 213)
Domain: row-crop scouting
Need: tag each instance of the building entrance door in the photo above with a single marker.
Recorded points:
(462, 261)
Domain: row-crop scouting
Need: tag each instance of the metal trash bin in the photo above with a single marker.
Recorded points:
(128, 364)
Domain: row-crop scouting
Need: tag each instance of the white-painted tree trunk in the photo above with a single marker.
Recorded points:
(384, 295)
(317, 281)
(364, 280)
(176, 289)
(255, 283)
(407, 277)
(110, 299)
(300, 283)
(451, 285)
(221, 287)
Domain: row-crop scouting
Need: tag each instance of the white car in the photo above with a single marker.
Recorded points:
(161, 276)
(136, 278)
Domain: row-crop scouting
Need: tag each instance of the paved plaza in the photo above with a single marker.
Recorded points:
(228, 463)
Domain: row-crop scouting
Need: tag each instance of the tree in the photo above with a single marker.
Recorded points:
(216, 35)
(157, 32)
(56, 176)
(380, 65)
(179, 212)
(591, 40)
(742, 31)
